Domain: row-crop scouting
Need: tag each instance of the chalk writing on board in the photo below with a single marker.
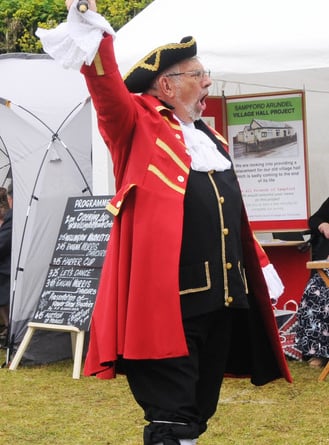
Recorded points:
(70, 288)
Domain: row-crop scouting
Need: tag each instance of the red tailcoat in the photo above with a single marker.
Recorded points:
(137, 313)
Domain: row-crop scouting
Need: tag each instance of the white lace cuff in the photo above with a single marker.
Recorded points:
(76, 41)
(273, 281)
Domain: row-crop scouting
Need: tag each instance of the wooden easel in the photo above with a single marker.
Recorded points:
(319, 265)
(77, 339)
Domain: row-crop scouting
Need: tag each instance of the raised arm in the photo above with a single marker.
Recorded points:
(91, 4)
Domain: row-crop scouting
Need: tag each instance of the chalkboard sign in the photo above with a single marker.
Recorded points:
(69, 292)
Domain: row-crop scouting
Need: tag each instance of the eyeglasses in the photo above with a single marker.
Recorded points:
(197, 74)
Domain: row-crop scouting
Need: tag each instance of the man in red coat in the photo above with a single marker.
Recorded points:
(182, 299)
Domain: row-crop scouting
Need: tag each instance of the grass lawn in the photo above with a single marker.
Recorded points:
(43, 405)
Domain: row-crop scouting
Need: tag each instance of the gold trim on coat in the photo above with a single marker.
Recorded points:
(193, 290)
(172, 155)
(99, 65)
(165, 179)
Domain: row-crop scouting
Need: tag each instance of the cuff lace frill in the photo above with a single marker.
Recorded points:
(76, 41)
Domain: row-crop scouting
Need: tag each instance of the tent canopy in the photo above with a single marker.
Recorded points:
(233, 37)
(250, 48)
(45, 132)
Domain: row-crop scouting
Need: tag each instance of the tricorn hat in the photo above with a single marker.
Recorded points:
(141, 75)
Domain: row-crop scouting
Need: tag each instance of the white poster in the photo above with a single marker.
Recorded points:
(266, 143)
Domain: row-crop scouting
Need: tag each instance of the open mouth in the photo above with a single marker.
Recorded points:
(203, 102)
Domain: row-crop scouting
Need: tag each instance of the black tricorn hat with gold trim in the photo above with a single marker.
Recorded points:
(141, 75)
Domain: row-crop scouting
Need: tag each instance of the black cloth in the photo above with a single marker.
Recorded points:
(5, 258)
(189, 397)
(320, 244)
(312, 314)
(202, 243)
(212, 203)
(313, 319)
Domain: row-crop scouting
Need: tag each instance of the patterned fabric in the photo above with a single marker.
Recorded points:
(312, 332)
(287, 325)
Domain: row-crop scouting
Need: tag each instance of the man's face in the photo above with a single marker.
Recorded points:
(190, 83)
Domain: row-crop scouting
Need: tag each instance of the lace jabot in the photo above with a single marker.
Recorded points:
(204, 153)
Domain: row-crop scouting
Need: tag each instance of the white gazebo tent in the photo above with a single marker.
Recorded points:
(45, 145)
(250, 47)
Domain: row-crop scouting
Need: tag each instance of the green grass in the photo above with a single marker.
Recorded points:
(44, 405)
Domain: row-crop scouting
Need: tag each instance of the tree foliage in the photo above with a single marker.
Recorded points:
(19, 19)
(119, 12)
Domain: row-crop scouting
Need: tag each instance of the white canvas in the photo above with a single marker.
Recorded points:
(45, 130)
(250, 47)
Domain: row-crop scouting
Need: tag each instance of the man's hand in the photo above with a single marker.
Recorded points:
(324, 229)
(91, 4)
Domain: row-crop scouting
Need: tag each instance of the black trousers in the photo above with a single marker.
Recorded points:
(179, 395)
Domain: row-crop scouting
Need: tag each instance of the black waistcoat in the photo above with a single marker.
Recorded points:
(211, 262)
